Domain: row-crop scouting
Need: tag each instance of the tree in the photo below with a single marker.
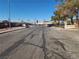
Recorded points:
(5, 21)
(69, 8)
(52, 18)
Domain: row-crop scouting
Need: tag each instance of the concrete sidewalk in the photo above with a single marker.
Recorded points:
(5, 30)
(59, 28)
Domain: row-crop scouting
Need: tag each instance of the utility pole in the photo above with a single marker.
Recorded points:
(9, 13)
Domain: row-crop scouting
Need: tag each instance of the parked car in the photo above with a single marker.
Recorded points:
(27, 26)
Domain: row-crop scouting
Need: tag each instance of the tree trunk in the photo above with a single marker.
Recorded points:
(72, 22)
(77, 20)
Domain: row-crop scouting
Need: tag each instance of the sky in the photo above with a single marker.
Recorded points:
(27, 10)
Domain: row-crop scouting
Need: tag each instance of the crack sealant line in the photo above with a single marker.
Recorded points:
(44, 44)
(15, 45)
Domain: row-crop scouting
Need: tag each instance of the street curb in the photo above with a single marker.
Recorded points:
(11, 31)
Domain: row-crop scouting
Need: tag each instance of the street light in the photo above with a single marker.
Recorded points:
(9, 19)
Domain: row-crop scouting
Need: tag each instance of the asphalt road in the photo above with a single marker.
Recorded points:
(23, 43)
(38, 43)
